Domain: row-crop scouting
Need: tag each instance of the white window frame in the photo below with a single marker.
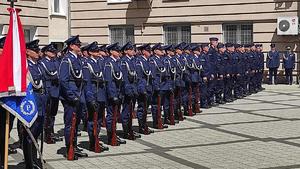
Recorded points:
(179, 32)
(63, 6)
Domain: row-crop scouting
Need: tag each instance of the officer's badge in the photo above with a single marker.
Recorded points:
(27, 107)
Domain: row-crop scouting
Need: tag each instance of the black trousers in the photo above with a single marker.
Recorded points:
(273, 73)
(289, 76)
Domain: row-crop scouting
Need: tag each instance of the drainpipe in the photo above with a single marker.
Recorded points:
(69, 18)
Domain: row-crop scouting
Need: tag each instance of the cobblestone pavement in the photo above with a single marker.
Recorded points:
(260, 131)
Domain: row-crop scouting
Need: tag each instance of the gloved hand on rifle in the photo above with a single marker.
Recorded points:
(115, 100)
(75, 102)
(92, 106)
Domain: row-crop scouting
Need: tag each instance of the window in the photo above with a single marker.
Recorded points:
(122, 34)
(174, 34)
(59, 7)
(29, 33)
(56, 6)
(238, 33)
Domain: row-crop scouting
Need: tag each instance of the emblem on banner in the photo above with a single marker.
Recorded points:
(27, 107)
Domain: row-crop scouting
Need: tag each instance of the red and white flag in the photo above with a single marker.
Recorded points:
(13, 63)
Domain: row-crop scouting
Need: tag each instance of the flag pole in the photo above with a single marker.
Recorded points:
(6, 140)
(12, 4)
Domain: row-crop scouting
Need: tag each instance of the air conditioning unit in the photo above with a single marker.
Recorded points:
(287, 25)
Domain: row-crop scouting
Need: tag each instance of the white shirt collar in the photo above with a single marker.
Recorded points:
(30, 60)
(47, 58)
(73, 54)
(144, 57)
(113, 58)
(93, 59)
(128, 57)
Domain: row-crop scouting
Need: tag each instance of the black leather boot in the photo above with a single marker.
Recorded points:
(120, 141)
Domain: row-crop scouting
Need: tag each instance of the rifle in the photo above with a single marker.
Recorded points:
(190, 110)
(114, 141)
(103, 118)
(146, 130)
(159, 120)
(172, 119)
(197, 107)
(96, 134)
(72, 135)
(130, 120)
(180, 114)
(133, 110)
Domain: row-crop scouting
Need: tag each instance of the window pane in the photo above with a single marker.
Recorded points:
(129, 36)
(238, 33)
(186, 34)
(230, 33)
(121, 34)
(176, 34)
(56, 6)
(171, 35)
(246, 34)
(27, 35)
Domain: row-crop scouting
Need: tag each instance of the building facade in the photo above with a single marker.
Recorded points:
(34, 17)
(173, 21)
(59, 29)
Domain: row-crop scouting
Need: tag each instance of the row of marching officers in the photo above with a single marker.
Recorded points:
(100, 85)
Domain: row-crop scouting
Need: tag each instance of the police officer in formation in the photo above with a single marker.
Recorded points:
(49, 65)
(273, 63)
(37, 80)
(289, 60)
(72, 83)
(99, 85)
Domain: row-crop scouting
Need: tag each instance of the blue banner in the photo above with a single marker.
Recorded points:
(24, 108)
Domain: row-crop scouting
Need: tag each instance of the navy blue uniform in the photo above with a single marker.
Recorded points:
(167, 87)
(95, 94)
(50, 68)
(261, 66)
(220, 74)
(273, 62)
(187, 92)
(228, 79)
(212, 58)
(72, 95)
(159, 84)
(237, 74)
(179, 85)
(289, 65)
(113, 76)
(144, 89)
(196, 81)
(251, 57)
(39, 92)
(206, 75)
(130, 93)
